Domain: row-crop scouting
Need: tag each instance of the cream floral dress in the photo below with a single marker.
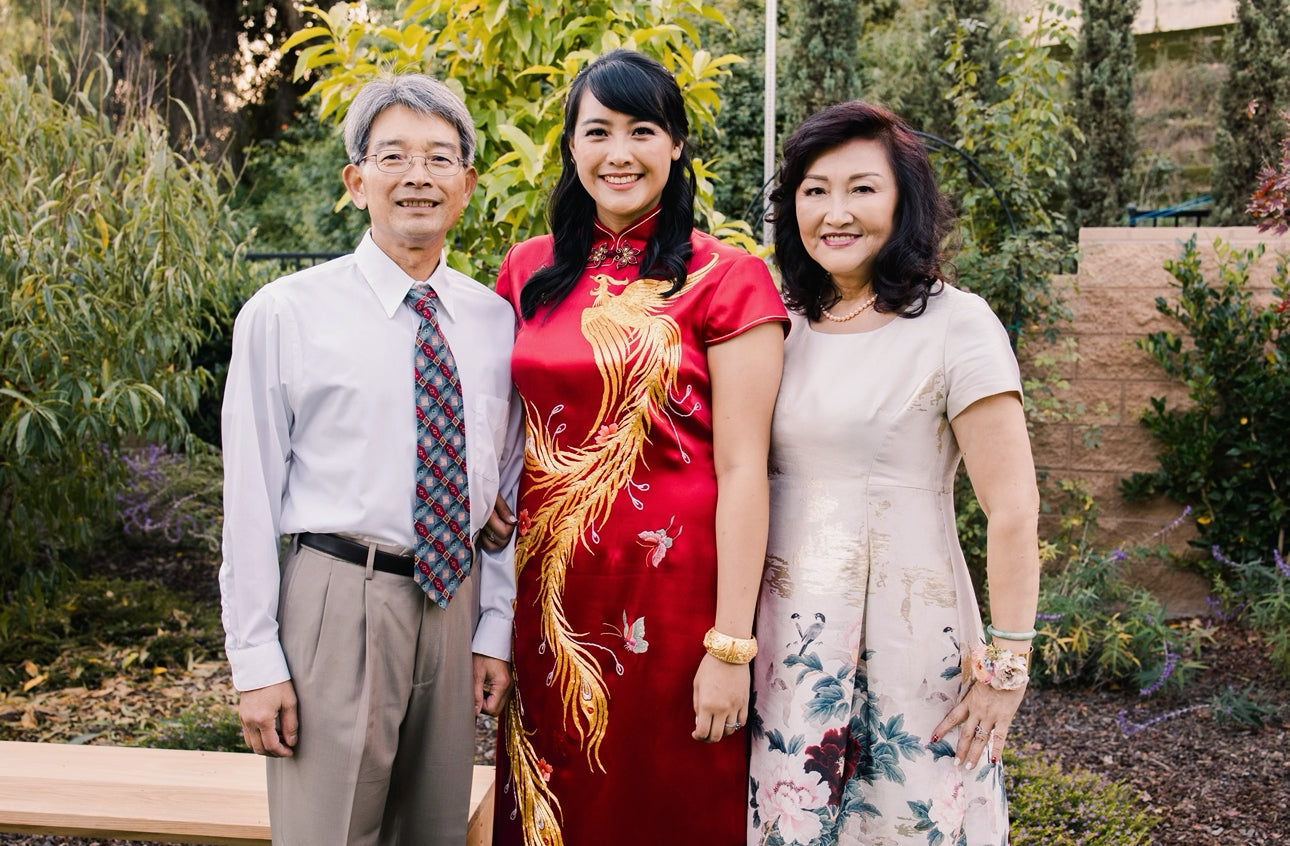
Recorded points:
(867, 610)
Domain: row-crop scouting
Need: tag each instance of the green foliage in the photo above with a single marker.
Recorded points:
(117, 254)
(1056, 808)
(820, 64)
(735, 151)
(1257, 87)
(1257, 592)
(1018, 130)
(91, 629)
(1102, 100)
(205, 66)
(915, 80)
(1243, 709)
(1095, 628)
(206, 729)
(288, 187)
(513, 64)
(173, 499)
(1225, 452)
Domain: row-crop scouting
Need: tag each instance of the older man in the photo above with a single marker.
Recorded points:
(369, 415)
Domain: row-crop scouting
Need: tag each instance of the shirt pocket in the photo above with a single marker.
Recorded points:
(487, 437)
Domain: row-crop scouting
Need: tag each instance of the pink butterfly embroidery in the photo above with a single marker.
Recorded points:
(659, 542)
(634, 635)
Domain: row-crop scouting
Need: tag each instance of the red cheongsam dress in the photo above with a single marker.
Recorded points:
(616, 551)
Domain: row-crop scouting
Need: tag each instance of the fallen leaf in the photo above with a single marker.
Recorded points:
(28, 720)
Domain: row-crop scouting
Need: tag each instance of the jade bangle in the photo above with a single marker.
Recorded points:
(993, 632)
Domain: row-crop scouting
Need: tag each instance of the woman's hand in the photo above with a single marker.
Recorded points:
(985, 715)
(720, 699)
(497, 531)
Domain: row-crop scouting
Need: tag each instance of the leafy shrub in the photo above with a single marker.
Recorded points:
(514, 69)
(115, 252)
(206, 729)
(1079, 808)
(172, 497)
(1259, 595)
(1226, 453)
(1095, 628)
(288, 191)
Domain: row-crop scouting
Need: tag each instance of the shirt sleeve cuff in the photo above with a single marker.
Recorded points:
(493, 636)
(258, 666)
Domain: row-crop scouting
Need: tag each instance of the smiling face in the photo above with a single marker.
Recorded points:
(623, 162)
(846, 208)
(411, 212)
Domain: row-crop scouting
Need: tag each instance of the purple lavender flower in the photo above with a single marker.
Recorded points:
(1282, 567)
(1220, 557)
(1175, 524)
(1171, 661)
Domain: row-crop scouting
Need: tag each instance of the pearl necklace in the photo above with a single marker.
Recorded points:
(844, 318)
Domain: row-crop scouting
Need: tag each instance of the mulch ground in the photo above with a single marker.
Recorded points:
(1211, 783)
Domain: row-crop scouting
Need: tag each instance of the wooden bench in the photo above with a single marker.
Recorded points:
(163, 795)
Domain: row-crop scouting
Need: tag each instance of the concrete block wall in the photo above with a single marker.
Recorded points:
(1113, 294)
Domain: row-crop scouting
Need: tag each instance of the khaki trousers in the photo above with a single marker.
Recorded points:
(383, 678)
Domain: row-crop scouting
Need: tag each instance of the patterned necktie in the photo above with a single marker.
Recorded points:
(441, 517)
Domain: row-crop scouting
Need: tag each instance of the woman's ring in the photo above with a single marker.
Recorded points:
(980, 732)
(734, 725)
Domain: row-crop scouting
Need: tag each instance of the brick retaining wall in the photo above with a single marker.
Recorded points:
(1121, 272)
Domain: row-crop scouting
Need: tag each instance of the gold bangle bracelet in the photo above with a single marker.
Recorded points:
(732, 650)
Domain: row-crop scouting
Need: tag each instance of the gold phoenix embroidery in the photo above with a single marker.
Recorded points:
(637, 350)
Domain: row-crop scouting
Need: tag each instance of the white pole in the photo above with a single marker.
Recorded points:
(768, 116)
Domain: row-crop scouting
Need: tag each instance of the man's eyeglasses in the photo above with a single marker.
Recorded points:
(395, 161)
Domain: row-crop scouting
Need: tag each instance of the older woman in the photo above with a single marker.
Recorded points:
(648, 356)
(879, 711)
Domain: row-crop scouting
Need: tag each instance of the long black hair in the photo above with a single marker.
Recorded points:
(909, 266)
(633, 84)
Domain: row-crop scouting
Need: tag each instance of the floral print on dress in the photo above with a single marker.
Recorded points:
(820, 790)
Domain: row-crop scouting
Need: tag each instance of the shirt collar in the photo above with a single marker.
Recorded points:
(391, 283)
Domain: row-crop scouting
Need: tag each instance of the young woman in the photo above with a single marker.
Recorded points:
(648, 356)
(879, 713)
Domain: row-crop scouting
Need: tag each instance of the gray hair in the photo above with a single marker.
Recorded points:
(416, 91)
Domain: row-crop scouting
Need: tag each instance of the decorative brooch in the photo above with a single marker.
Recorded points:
(622, 255)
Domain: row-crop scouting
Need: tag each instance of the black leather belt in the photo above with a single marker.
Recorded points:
(356, 553)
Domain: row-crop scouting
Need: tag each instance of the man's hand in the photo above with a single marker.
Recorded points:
(492, 684)
(497, 532)
(269, 719)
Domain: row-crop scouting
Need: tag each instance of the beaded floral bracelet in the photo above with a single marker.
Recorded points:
(1000, 668)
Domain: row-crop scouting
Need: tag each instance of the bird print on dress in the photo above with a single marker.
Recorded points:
(811, 633)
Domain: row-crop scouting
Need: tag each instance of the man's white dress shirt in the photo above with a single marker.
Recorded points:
(319, 433)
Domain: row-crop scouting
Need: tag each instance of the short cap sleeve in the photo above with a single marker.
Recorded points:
(744, 297)
(979, 361)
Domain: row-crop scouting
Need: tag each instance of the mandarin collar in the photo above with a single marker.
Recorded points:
(391, 284)
(622, 248)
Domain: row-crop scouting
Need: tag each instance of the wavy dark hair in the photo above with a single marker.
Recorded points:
(909, 266)
(633, 84)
